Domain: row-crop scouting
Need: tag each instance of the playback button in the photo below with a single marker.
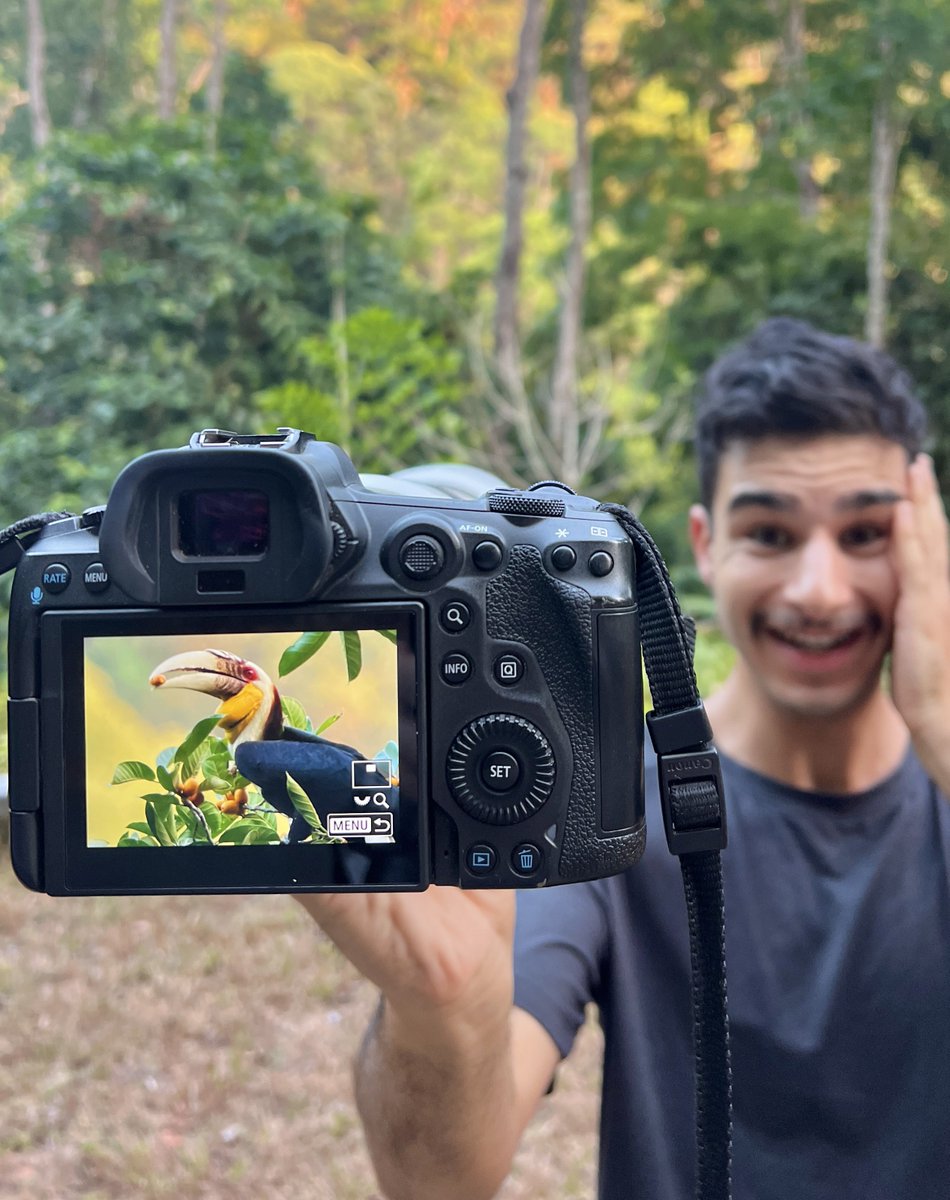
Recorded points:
(481, 858)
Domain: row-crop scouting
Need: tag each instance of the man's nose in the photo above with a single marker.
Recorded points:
(820, 581)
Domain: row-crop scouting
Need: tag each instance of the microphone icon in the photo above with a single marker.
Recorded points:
(36, 595)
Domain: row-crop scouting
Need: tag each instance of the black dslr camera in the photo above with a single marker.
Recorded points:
(307, 681)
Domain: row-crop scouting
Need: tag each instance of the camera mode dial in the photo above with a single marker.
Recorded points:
(500, 769)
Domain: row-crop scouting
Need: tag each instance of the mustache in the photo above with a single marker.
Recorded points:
(790, 621)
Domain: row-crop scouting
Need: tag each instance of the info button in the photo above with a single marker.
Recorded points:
(456, 668)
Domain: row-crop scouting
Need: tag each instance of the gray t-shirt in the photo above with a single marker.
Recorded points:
(838, 953)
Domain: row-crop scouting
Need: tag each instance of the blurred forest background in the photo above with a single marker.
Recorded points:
(507, 232)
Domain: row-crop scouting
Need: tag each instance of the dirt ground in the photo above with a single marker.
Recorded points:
(199, 1049)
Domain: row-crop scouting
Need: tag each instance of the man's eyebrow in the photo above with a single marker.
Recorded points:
(868, 498)
(784, 503)
(776, 501)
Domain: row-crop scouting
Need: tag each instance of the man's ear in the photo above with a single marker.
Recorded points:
(700, 538)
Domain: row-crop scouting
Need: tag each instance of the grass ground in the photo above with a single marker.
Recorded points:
(198, 1049)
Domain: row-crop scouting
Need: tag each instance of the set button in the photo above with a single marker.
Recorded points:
(500, 771)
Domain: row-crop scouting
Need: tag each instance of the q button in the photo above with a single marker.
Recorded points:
(454, 616)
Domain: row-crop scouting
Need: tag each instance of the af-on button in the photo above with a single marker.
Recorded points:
(487, 556)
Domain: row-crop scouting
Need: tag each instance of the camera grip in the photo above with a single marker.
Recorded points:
(525, 604)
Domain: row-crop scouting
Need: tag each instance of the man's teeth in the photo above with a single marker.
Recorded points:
(814, 642)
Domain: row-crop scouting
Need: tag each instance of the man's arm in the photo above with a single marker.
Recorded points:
(920, 666)
(444, 1105)
(450, 1071)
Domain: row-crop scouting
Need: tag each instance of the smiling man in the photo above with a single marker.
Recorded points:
(823, 539)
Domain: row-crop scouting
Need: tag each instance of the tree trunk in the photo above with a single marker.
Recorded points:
(518, 97)
(167, 59)
(216, 73)
(565, 417)
(341, 351)
(40, 125)
(796, 78)
(886, 136)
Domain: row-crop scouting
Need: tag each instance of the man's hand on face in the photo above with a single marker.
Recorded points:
(920, 667)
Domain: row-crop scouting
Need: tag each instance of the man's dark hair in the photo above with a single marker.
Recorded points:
(789, 379)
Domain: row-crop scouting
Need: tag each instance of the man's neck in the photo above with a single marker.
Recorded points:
(838, 755)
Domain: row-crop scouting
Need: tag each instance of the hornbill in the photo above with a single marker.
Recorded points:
(265, 749)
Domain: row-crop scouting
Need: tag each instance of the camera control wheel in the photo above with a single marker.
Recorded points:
(500, 769)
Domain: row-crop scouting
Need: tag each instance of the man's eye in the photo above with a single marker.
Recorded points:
(771, 537)
(864, 537)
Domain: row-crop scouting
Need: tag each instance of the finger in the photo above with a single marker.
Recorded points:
(930, 516)
(909, 559)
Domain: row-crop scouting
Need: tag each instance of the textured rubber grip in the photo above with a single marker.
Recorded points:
(525, 604)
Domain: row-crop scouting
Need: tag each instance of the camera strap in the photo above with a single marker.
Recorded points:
(694, 816)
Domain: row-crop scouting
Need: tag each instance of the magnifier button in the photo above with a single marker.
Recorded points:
(455, 616)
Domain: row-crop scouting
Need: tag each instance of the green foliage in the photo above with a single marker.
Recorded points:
(382, 385)
(147, 289)
(714, 659)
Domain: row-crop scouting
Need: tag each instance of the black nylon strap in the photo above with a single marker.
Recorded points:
(691, 789)
(11, 547)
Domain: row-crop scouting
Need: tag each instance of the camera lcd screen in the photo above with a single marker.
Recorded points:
(223, 523)
(249, 756)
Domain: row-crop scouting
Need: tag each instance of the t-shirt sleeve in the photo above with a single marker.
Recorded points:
(560, 936)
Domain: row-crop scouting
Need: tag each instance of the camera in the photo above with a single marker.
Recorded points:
(256, 670)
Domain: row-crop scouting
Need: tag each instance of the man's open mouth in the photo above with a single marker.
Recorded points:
(816, 643)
